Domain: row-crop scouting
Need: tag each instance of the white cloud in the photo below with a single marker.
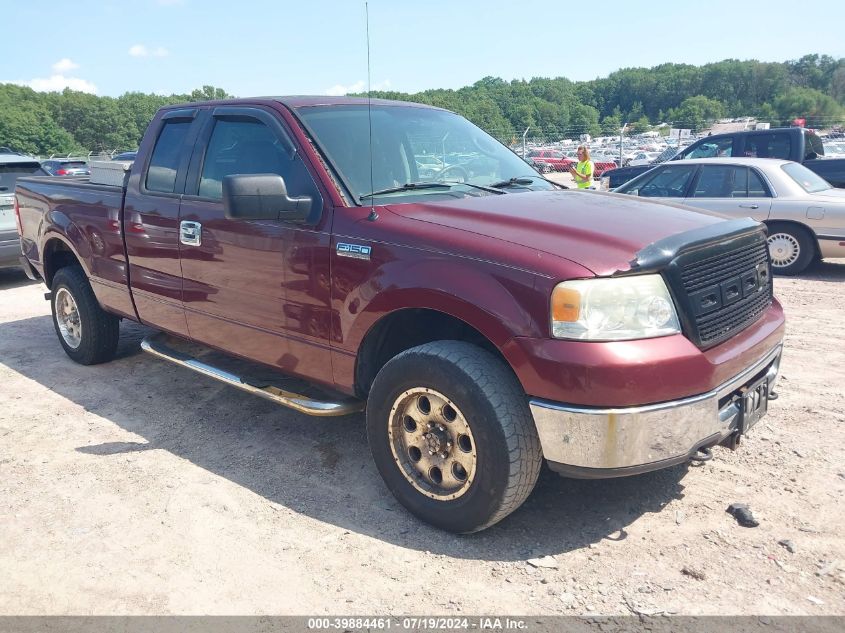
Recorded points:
(57, 83)
(339, 90)
(139, 50)
(64, 65)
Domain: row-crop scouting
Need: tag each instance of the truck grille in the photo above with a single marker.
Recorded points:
(723, 294)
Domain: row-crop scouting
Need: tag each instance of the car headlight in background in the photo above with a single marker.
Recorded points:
(604, 183)
(613, 309)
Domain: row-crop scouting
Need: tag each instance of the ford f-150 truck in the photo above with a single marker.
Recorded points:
(484, 319)
(796, 144)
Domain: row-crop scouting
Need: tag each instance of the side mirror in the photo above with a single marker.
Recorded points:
(262, 197)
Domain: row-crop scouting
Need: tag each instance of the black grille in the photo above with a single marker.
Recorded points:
(724, 293)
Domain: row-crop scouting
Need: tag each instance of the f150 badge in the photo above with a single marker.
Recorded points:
(355, 251)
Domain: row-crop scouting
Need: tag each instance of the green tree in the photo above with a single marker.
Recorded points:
(696, 112)
(817, 108)
(208, 93)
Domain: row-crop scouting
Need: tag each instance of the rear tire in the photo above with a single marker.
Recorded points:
(790, 247)
(467, 407)
(87, 333)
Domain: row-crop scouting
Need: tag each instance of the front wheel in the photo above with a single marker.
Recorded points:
(87, 333)
(790, 248)
(452, 435)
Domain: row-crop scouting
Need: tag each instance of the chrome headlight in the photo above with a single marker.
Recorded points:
(613, 309)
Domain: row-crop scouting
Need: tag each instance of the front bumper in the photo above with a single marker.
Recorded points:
(590, 442)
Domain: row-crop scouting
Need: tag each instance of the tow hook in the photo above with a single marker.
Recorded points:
(773, 396)
(702, 455)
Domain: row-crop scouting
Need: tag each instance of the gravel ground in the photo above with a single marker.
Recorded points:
(137, 487)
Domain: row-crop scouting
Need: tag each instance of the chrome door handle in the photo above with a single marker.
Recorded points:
(750, 206)
(190, 233)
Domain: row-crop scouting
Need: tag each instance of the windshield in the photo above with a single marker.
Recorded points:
(809, 181)
(9, 173)
(413, 145)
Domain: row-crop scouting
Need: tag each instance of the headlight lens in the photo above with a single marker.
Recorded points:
(617, 309)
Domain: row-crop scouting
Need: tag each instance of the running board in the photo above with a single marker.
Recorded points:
(154, 345)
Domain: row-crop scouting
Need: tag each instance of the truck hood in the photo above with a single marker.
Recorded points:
(600, 231)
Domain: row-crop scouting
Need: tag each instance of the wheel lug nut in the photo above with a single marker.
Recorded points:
(430, 452)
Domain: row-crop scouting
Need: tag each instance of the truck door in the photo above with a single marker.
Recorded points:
(256, 288)
(151, 221)
(735, 190)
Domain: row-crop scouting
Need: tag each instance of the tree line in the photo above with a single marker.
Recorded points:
(682, 95)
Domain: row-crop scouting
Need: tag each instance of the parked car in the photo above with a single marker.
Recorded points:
(643, 158)
(539, 165)
(65, 167)
(557, 160)
(796, 144)
(12, 167)
(805, 215)
(484, 325)
(125, 156)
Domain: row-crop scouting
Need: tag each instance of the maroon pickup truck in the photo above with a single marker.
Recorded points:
(485, 319)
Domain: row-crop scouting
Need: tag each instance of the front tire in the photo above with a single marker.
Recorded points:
(452, 435)
(790, 247)
(87, 333)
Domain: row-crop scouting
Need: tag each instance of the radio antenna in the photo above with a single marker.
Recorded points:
(373, 215)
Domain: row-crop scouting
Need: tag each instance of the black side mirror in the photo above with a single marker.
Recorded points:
(262, 197)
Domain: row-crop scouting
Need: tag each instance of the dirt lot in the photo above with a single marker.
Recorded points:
(137, 487)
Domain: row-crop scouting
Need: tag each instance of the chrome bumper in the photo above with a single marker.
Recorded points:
(590, 442)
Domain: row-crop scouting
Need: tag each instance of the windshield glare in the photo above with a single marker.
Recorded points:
(809, 181)
(412, 145)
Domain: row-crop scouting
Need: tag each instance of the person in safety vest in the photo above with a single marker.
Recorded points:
(582, 173)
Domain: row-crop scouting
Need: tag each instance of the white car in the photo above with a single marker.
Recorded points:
(643, 158)
(805, 215)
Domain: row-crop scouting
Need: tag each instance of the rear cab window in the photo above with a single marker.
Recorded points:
(774, 145)
(10, 172)
(166, 155)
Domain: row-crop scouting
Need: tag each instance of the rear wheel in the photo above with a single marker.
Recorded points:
(790, 247)
(87, 333)
(452, 436)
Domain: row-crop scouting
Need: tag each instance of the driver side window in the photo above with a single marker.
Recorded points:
(714, 149)
(669, 182)
(250, 147)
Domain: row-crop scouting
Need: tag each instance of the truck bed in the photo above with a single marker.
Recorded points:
(70, 213)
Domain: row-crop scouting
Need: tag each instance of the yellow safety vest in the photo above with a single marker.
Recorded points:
(585, 168)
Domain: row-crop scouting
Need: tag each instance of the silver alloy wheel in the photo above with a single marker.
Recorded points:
(67, 318)
(784, 249)
(432, 444)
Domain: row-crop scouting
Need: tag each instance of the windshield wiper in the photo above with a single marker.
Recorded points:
(524, 180)
(474, 186)
(408, 186)
(519, 180)
(443, 184)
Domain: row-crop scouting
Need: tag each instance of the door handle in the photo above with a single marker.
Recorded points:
(750, 206)
(190, 233)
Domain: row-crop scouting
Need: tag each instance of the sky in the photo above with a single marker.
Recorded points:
(278, 47)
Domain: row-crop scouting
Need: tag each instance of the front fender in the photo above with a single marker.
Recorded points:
(498, 301)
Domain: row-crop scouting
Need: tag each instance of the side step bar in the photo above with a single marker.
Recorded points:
(155, 346)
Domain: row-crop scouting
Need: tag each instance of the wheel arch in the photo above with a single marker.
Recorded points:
(405, 328)
(58, 252)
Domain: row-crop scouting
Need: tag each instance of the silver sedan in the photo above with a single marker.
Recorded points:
(805, 215)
